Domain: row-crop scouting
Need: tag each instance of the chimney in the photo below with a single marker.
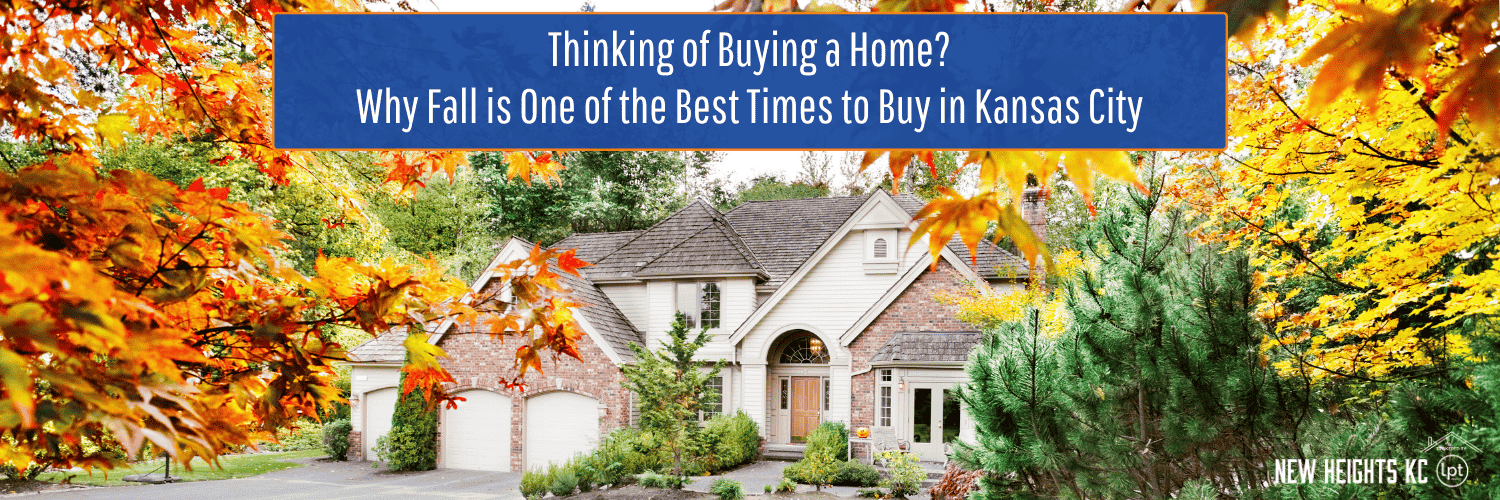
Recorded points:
(1034, 211)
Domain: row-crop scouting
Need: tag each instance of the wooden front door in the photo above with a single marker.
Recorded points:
(806, 406)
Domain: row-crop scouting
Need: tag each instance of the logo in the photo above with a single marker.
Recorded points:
(1452, 469)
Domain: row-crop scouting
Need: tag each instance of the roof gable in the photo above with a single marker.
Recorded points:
(714, 249)
(656, 241)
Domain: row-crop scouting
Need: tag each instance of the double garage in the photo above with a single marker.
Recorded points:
(477, 435)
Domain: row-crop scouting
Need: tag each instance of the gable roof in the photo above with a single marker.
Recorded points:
(783, 234)
(677, 245)
(598, 315)
(926, 348)
(714, 249)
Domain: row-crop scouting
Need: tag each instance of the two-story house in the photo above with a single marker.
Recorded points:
(822, 308)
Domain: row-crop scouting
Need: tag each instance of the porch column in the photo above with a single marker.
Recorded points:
(841, 387)
(754, 396)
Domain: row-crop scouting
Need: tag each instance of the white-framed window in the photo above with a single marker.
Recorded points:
(827, 388)
(701, 303)
(712, 404)
(886, 396)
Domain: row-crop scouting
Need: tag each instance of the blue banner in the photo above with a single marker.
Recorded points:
(750, 81)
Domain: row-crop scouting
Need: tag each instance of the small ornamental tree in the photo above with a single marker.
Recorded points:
(671, 387)
(412, 441)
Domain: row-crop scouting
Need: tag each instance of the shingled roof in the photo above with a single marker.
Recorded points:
(597, 309)
(714, 249)
(785, 233)
(385, 347)
(926, 348)
(654, 242)
(992, 263)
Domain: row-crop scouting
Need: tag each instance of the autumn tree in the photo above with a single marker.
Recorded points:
(136, 310)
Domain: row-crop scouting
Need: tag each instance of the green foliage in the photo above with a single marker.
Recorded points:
(769, 488)
(412, 443)
(905, 474)
(308, 435)
(727, 489)
(735, 439)
(627, 452)
(657, 480)
(534, 484)
(786, 486)
(448, 220)
(1162, 350)
(830, 438)
(336, 439)
(869, 493)
(600, 191)
(769, 187)
(564, 482)
(671, 387)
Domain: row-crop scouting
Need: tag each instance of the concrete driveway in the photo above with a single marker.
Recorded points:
(323, 481)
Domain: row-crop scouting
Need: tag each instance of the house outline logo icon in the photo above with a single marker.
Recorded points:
(1452, 469)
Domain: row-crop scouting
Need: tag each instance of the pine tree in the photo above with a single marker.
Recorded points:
(1157, 380)
(671, 388)
(412, 442)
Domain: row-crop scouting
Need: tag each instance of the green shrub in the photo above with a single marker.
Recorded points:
(651, 479)
(727, 489)
(307, 434)
(829, 437)
(769, 488)
(564, 482)
(534, 484)
(588, 475)
(632, 452)
(825, 471)
(336, 439)
(735, 440)
(906, 476)
(857, 474)
(786, 486)
(870, 493)
(412, 442)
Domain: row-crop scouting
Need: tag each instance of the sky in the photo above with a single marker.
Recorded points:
(736, 166)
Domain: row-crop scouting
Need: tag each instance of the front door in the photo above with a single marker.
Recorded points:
(935, 420)
(806, 406)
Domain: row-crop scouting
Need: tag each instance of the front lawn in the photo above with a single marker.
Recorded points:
(234, 466)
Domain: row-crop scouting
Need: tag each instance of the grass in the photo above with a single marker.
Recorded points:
(233, 467)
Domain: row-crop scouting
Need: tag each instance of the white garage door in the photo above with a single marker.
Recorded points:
(558, 426)
(476, 436)
(379, 406)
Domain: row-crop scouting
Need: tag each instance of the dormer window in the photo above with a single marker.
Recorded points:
(700, 303)
(880, 251)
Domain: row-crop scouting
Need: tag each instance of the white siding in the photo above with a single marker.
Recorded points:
(660, 296)
(364, 379)
(830, 297)
(631, 300)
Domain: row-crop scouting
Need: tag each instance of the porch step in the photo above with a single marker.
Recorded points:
(791, 452)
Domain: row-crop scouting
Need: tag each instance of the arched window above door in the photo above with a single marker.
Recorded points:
(804, 349)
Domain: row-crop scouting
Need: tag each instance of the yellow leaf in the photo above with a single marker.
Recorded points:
(112, 128)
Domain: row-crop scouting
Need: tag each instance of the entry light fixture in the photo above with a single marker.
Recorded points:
(817, 346)
(902, 384)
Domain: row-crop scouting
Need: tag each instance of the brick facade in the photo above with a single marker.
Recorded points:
(914, 310)
(477, 361)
